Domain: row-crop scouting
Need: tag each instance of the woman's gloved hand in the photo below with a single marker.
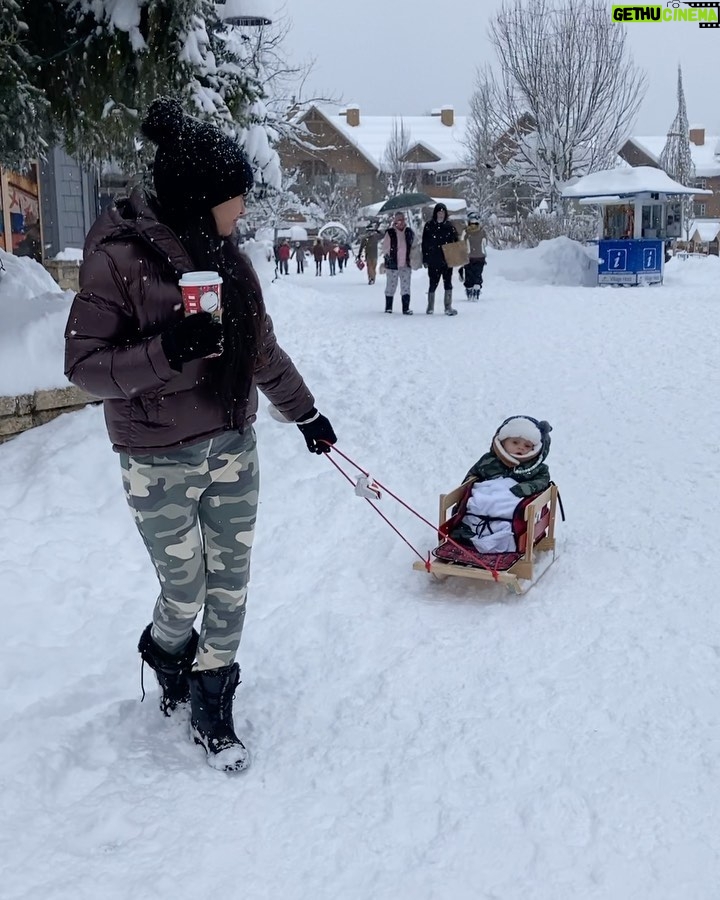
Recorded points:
(194, 337)
(317, 430)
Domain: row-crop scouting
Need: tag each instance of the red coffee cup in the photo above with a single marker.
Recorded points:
(202, 292)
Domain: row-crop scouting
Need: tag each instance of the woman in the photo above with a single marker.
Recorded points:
(437, 232)
(318, 252)
(397, 246)
(180, 398)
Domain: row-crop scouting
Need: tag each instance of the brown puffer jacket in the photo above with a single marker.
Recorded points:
(128, 295)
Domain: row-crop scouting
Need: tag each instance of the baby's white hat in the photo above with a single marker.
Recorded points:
(530, 430)
(521, 427)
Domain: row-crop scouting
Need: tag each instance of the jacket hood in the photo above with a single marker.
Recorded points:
(440, 207)
(136, 217)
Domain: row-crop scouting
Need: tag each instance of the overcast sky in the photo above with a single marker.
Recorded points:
(395, 58)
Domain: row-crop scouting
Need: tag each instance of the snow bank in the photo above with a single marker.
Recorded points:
(70, 254)
(559, 261)
(692, 271)
(33, 312)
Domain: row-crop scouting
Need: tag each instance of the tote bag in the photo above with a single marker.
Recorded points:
(456, 254)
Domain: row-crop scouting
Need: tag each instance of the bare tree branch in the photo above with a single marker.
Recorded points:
(567, 69)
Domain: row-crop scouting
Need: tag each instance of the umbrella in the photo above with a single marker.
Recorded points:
(405, 201)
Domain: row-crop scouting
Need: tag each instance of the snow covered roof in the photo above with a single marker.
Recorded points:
(705, 230)
(625, 182)
(705, 158)
(372, 135)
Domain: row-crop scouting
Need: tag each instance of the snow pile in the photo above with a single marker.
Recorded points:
(260, 252)
(24, 278)
(33, 313)
(559, 261)
(70, 254)
(692, 271)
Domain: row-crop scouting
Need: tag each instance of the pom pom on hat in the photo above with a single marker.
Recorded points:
(196, 166)
(164, 121)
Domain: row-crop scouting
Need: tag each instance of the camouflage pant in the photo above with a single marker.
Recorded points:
(393, 276)
(195, 509)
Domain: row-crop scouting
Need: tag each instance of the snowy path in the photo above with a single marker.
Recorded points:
(411, 740)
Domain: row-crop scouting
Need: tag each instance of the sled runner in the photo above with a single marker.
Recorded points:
(534, 516)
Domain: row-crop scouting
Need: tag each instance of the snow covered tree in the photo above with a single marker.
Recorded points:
(23, 108)
(566, 68)
(336, 202)
(396, 169)
(479, 182)
(103, 62)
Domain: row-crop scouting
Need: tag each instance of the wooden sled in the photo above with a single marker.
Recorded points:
(539, 521)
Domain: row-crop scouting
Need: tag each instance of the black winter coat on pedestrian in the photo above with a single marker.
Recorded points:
(435, 234)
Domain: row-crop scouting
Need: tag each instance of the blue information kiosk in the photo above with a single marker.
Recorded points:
(641, 211)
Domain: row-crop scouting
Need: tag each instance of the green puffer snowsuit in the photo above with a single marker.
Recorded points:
(489, 466)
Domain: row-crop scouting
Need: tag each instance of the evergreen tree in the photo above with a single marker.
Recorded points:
(102, 63)
(23, 108)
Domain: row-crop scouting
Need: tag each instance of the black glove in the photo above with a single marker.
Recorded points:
(316, 429)
(193, 337)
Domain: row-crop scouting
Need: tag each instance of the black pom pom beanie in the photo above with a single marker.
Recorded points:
(196, 166)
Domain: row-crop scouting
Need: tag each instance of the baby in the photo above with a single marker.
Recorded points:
(513, 469)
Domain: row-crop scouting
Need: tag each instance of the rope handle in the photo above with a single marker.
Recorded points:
(370, 489)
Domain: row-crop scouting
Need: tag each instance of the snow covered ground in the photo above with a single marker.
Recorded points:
(412, 740)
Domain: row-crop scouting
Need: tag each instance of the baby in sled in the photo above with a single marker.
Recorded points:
(513, 470)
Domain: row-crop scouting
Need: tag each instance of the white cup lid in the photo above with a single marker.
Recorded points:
(200, 278)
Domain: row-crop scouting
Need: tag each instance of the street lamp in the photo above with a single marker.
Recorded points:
(245, 12)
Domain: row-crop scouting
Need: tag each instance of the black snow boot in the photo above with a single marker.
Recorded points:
(406, 305)
(172, 671)
(388, 304)
(211, 726)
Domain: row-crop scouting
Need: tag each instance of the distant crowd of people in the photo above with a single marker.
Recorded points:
(337, 253)
(440, 250)
(402, 254)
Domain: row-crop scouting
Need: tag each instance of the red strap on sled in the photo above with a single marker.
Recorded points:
(426, 561)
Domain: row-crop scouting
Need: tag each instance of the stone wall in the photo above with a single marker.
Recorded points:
(65, 272)
(18, 414)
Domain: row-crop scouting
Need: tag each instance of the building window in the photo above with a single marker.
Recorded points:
(20, 212)
(444, 178)
(313, 170)
(346, 180)
(700, 183)
(699, 209)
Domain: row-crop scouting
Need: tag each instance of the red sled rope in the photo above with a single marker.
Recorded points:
(370, 489)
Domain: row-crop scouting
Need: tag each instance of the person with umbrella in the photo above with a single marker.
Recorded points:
(396, 245)
(437, 232)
